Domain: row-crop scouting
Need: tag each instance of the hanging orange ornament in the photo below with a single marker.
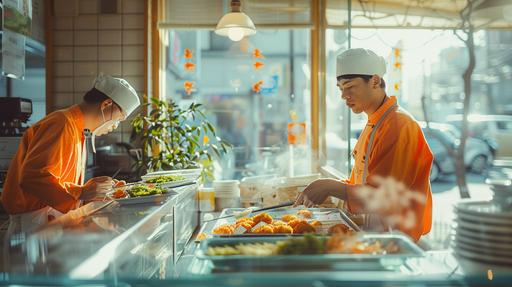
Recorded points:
(258, 65)
(257, 87)
(189, 66)
(256, 53)
(187, 53)
(189, 86)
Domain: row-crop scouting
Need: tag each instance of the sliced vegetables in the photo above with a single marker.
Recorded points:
(144, 190)
(165, 178)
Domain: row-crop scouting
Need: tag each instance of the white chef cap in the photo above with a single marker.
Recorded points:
(360, 62)
(120, 91)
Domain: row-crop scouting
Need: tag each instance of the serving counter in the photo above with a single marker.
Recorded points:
(100, 241)
(144, 244)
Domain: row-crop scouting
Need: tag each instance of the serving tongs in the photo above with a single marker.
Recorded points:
(248, 211)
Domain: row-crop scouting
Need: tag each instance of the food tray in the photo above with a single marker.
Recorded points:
(327, 216)
(172, 184)
(157, 198)
(407, 249)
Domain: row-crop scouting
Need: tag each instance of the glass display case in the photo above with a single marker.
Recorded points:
(141, 241)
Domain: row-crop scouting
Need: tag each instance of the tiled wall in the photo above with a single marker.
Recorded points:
(87, 43)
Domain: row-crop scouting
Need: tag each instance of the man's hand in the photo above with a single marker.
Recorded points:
(96, 186)
(318, 191)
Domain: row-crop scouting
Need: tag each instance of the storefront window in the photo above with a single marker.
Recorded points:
(424, 71)
(256, 92)
(337, 114)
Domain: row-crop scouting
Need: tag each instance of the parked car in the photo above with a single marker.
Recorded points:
(498, 128)
(478, 154)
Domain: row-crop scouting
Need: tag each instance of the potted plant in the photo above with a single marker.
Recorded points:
(174, 138)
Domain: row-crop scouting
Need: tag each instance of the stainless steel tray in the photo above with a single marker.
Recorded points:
(327, 216)
(408, 249)
(157, 199)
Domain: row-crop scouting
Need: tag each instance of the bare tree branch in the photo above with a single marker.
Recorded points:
(458, 155)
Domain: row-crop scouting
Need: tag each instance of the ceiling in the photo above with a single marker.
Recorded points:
(429, 14)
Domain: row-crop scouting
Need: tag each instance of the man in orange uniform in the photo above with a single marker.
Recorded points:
(46, 176)
(392, 145)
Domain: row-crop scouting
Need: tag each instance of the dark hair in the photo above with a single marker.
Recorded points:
(365, 78)
(95, 96)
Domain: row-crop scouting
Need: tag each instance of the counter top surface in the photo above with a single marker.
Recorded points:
(82, 244)
(435, 264)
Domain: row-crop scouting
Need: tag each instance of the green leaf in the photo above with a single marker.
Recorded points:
(210, 127)
(215, 150)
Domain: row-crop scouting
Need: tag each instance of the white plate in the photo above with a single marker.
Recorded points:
(484, 219)
(479, 257)
(484, 228)
(483, 208)
(157, 198)
(483, 243)
(481, 250)
(482, 236)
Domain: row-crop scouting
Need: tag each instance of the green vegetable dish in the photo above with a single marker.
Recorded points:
(144, 190)
(308, 244)
(165, 178)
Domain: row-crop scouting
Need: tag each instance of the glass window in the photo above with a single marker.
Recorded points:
(256, 92)
(337, 114)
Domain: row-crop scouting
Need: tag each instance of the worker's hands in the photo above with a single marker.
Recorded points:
(318, 191)
(96, 187)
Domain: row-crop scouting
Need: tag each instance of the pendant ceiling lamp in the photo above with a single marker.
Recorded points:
(235, 24)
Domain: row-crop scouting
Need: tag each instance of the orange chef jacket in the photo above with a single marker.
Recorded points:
(398, 150)
(48, 167)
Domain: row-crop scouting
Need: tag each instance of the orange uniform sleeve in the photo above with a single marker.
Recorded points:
(401, 152)
(45, 160)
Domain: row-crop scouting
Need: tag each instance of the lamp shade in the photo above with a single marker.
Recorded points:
(235, 25)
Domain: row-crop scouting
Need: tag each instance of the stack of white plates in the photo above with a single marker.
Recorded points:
(227, 194)
(226, 188)
(483, 236)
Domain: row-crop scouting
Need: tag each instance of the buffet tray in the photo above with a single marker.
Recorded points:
(327, 216)
(407, 249)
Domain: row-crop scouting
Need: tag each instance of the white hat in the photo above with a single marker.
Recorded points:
(120, 91)
(360, 62)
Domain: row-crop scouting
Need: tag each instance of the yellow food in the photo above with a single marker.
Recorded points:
(265, 229)
(247, 249)
(289, 217)
(245, 224)
(305, 213)
(295, 222)
(283, 229)
(278, 222)
(262, 217)
(201, 236)
(316, 223)
(225, 229)
(303, 227)
(246, 220)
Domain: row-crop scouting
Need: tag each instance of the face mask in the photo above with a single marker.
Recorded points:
(103, 129)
